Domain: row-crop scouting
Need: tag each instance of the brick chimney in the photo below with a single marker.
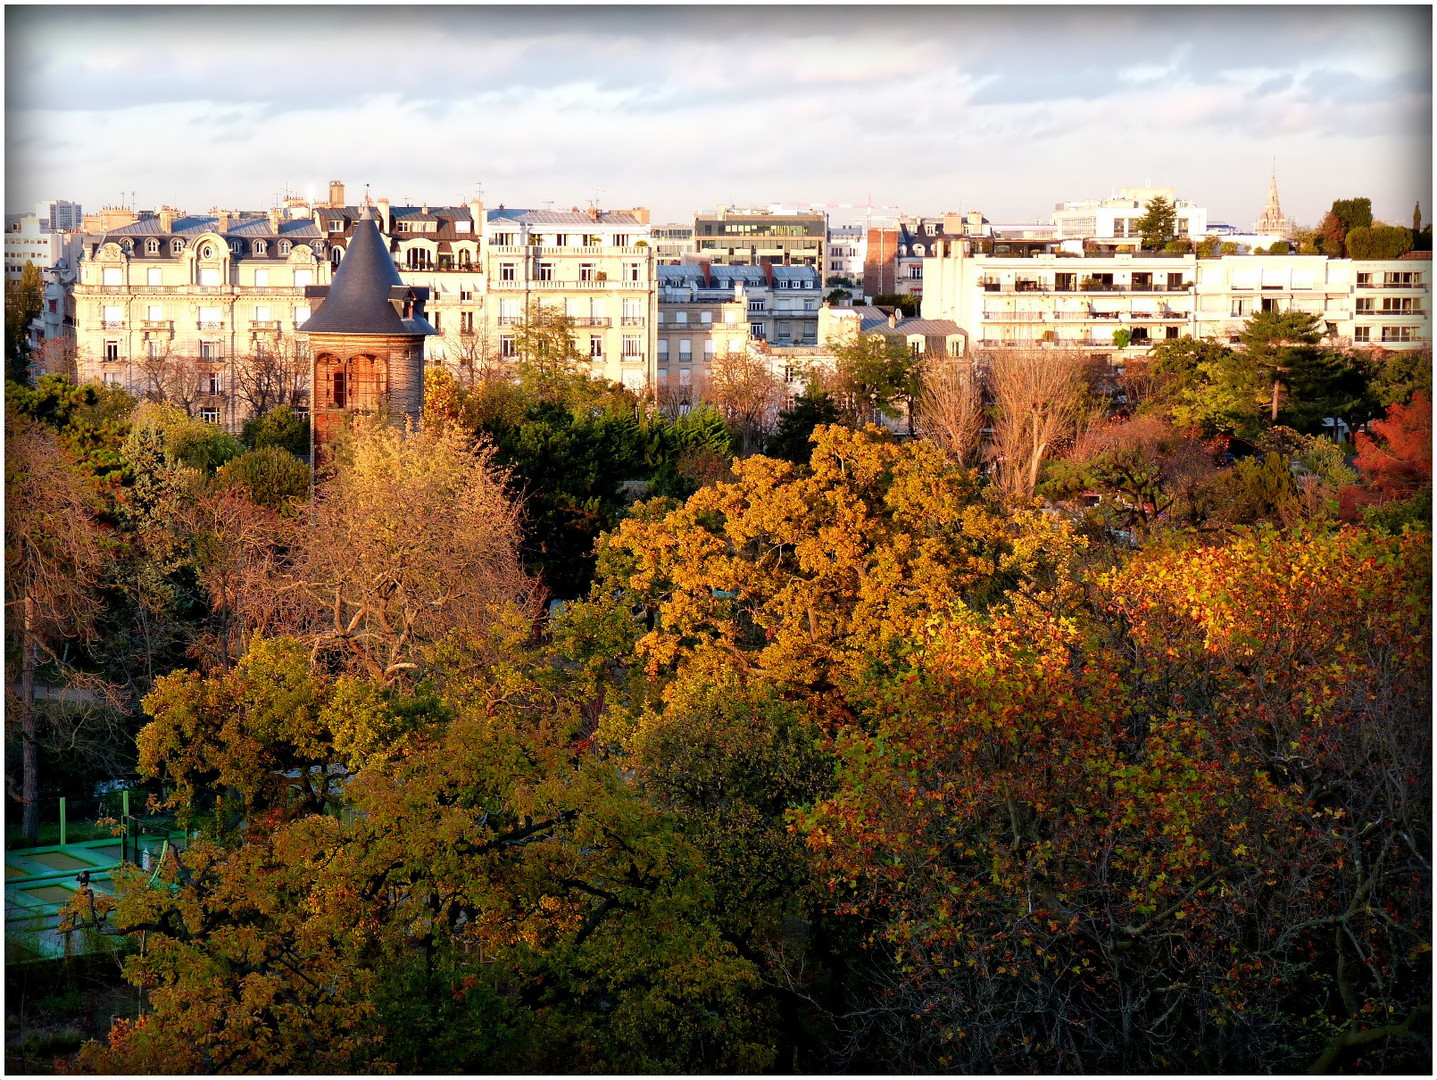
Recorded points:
(704, 270)
(223, 224)
(593, 212)
(167, 219)
(336, 193)
(768, 272)
(275, 216)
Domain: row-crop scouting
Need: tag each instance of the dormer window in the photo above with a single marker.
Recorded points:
(284, 246)
(237, 246)
(318, 247)
(336, 224)
(152, 247)
(258, 247)
(177, 246)
(918, 249)
(463, 226)
(128, 245)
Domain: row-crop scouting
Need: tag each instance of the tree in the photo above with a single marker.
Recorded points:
(24, 301)
(1416, 218)
(1282, 346)
(950, 407)
(1333, 232)
(1398, 374)
(546, 350)
(871, 375)
(1040, 401)
(1400, 463)
(1159, 223)
(1353, 213)
(1379, 242)
(275, 373)
(791, 438)
(269, 476)
(414, 539)
(193, 443)
(744, 388)
(280, 426)
(54, 555)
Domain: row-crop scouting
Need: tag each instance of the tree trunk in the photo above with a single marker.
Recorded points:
(1276, 390)
(30, 782)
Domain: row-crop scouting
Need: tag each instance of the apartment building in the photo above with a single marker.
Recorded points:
(706, 310)
(847, 249)
(185, 303)
(753, 237)
(1124, 303)
(30, 239)
(673, 241)
(595, 266)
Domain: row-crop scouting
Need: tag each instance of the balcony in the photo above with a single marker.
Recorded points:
(210, 325)
(264, 325)
(510, 320)
(567, 286)
(592, 321)
(158, 324)
(1013, 316)
(112, 324)
(631, 320)
(632, 358)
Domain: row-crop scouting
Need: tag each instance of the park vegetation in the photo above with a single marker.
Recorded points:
(1083, 729)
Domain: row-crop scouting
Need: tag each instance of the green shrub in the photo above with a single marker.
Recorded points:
(269, 476)
(280, 426)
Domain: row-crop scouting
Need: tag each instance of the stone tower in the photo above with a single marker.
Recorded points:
(366, 341)
(1272, 222)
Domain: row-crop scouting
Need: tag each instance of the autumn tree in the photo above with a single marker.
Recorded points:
(412, 539)
(24, 301)
(791, 437)
(744, 388)
(871, 375)
(54, 556)
(546, 348)
(1040, 402)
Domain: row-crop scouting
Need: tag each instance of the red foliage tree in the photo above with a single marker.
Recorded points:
(1398, 462)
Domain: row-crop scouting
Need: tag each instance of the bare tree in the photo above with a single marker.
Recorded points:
(55, 356)
(53, 560)
(950, 406)
(748, 394)
(173, 376)
(275, 372)
(1040, 402)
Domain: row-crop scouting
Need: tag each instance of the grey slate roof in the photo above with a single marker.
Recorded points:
(516, 216)
(872, 320)
(359, 299)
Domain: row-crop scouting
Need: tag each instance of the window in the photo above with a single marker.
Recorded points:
(209, 318)
(1362, 333)
(507, 271)
(210, 350)
(506, 347)
(631, 271)
(154, 276)
(214, 383)
(153, 350)
(755, 330)
(152, 247)
(284, 246)
(303, 277)
(208, 252)
(596, 347)
(706, 317)
(1399, 333)
(730, 318)
(434, 317)
(621, 240)
(544, 272)
(259, 247)
(509, 312)
(210, 416)
(463, 226)
(301, 314)
(1240, 309)
(586, 271)
(336, 224)
(237, 246)
(111, 275)
(755, 305)
(177, 246)
(128, 245)
(681, 317)
(1399, 279)
(337, 395)
(708, 350)
(261, 278)
(686, 378)
(466, 322)
(113, 316)
(262, 313)
(632, 347)
(686, 350)
(1364, 305)
(504, 239)
(1364, 281)
(1397, 305)
(209, 277)
(915, 273)
(663, 350)
(633, 314)
(112, 350)
(155, 313)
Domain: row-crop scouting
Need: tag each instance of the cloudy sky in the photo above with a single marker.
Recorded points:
(931, 108)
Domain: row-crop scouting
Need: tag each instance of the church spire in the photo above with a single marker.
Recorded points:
(1273, 222)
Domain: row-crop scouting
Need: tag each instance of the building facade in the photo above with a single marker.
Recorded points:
(1114, 221)
(753, 237)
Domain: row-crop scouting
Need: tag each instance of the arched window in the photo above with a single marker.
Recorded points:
(207, 252)
(318, 247)
(177, 246)
(335, 254)
(918, 249)
(284, 246)
(466, 261)
(152, 247)
(237, 246)
(128, 245)
(258, 247)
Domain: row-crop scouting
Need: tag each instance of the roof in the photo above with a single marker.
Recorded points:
(359, 298)
(873, 320)
(516, 216)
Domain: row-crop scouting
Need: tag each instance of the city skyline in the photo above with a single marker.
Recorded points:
(683, 108)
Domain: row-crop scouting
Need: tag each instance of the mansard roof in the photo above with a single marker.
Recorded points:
(362, 297)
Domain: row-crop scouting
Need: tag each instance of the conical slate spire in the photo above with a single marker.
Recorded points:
(358, 298)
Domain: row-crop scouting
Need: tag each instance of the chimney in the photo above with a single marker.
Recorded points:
(167, 219)
(383, 207)
(274, 219)
(336, 193)
(768, 272)
(704, 270)
(223, 224)
(893, 319)
(593, 212)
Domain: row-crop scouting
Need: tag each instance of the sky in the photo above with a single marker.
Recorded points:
(1008, 110)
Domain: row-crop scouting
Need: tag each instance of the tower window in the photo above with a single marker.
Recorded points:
(338, 395)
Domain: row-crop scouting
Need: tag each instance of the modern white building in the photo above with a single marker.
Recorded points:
(847, 249)
(1124, 303)
(1114, 219)
(28, 239)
